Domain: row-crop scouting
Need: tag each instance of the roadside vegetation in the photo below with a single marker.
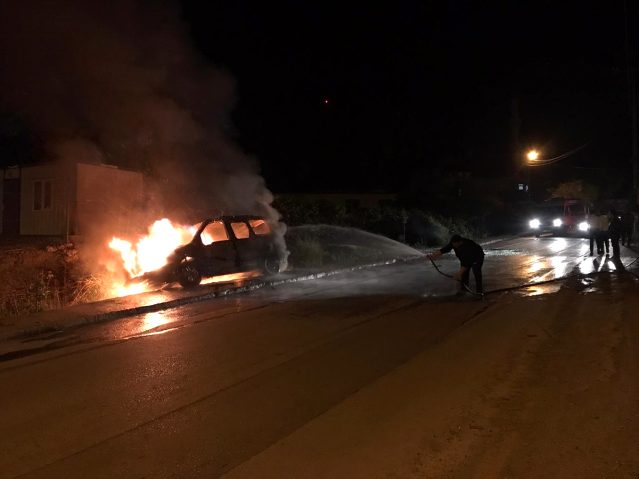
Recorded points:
(35, 277)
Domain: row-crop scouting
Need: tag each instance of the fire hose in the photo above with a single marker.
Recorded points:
(464, 285)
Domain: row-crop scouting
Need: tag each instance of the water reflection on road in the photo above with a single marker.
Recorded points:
(533, 264)
(547, 259)
(509, 263)
(528, 266)
(515, 262)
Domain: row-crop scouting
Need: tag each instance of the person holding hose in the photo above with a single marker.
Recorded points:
(471, 257)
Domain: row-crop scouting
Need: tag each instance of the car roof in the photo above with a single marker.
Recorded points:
(235, 218)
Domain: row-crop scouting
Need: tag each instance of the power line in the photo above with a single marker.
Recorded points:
(550, 161)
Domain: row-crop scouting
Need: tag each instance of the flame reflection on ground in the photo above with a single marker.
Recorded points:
(119, 290)
(540, 289)
(232, 278)
(154, 320)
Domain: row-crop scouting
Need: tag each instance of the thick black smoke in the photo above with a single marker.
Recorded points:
(118, 82)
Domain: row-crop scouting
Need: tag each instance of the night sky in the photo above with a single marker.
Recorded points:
(350, 96)
(364, 96)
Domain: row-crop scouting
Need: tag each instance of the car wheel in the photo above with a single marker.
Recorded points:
(189, 276)
(272, 265)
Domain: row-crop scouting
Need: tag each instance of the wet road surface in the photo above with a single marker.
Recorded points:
(198, 391)
(509, 265)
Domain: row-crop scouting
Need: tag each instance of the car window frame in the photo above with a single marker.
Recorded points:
(245, 223)
(252, 228)
(208, 223)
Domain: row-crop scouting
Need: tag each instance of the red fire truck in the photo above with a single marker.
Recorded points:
(566, 218)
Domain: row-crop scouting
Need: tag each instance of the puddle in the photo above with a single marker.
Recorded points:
(590, 290)
(538, 290)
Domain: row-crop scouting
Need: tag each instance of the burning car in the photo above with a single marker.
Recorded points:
(220, 246)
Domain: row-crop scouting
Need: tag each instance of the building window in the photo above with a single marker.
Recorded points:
(42, 195)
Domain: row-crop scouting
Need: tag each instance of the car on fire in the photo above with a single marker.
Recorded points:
(568, 218)
(221, 245)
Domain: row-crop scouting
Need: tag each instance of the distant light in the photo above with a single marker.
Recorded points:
(532, 155)
(325, 101)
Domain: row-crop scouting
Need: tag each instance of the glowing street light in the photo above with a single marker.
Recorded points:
(532, 155)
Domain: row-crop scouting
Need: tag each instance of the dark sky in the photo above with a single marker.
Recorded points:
(414, 86)
(328, 96)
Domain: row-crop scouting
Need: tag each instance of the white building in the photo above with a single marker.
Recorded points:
(56, 199)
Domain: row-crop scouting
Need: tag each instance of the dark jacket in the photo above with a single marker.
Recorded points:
(615, 225)
(468, 252)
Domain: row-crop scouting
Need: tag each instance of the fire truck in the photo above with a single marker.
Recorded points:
(566, 218)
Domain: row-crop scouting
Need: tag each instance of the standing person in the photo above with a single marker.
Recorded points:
(614, 232)
(627, 227)
(602, 225)
(593, 233)
(471, 256)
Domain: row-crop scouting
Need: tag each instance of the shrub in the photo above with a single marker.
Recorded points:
(88, 289)
(306, 252)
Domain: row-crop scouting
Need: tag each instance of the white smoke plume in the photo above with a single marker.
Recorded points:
(118, 82)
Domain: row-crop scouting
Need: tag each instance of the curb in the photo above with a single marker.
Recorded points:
(251, 285)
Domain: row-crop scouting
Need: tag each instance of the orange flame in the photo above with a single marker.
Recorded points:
(150, 252)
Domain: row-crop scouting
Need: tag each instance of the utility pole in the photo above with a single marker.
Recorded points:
(632, 105)
(515, 125)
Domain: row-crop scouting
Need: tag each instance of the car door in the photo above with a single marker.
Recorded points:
(219, 253)
(262, 236)
(245, 243)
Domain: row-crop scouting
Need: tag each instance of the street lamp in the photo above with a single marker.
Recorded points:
(532, 156)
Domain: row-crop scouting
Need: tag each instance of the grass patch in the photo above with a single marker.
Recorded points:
(35, 279)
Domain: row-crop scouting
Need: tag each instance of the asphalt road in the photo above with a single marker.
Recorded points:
(270, 383)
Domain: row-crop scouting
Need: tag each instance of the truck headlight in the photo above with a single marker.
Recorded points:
(534, 224)
(584, 226)
(557, 222)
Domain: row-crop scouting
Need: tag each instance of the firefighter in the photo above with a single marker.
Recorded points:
(593, 233)
(471, 257)
(602, 233)
(614, 232)
(599, 232)
(627, 227)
